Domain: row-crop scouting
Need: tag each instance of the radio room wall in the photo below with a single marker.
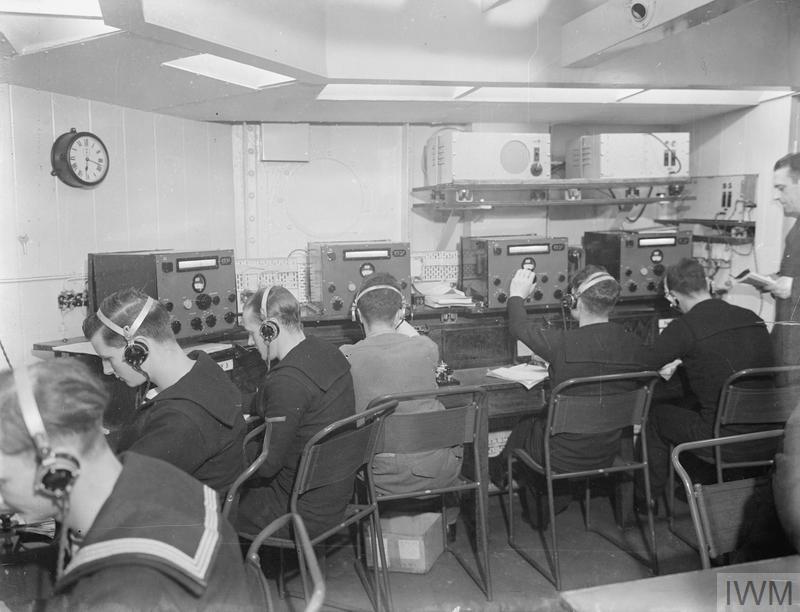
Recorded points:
(170, 185)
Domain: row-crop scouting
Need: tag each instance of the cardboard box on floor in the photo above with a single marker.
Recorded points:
(412, 542)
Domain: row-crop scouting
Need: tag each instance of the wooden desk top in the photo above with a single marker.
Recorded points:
(692, 591)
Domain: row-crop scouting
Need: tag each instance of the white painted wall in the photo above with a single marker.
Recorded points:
(170, 185)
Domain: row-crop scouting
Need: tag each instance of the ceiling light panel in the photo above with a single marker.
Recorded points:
(373, 91)
(560, 95)
(227, 70)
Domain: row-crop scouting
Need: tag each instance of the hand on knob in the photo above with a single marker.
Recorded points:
(523, 283)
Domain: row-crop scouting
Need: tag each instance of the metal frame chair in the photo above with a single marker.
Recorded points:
(587, 414)
(717, 509)
(744, 405)
(339, 451)
(303, 542)
(427, 431)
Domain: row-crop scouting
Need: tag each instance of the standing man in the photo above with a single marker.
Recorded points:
(137, 533)
(195, 422)
(786, 286)
(308, 389)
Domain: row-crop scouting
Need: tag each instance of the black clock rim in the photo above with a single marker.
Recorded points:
(63, 170)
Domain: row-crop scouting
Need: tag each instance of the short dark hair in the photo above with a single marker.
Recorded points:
(122, 307)
(687, 277)
(599, 299)
(791, 161)
(71, 400)
(379, 304)
(281, 306)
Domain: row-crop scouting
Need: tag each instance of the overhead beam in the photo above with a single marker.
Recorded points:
(620, 25)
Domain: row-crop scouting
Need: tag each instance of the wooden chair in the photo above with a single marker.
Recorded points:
(303, 542)
(458, 424)
(568, 412)
(741, 403)
(340, 451)
(718, 509)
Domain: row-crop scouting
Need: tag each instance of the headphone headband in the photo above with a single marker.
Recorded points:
(129, 331)
(30, 412)
(591, 281)
(361, 294)
(265, 301)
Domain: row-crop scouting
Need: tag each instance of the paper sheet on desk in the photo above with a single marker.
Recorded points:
(440, 294)
(524, 373)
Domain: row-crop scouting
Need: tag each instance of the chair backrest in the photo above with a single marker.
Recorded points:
(338, 451)
(718, 510)
(428, 431)
(569, 411)
(753, 396)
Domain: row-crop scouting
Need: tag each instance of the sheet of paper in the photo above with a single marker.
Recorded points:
(524, 373)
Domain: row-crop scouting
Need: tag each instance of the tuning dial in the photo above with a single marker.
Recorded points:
(229, 317)
(561, 278)
(658, 269)
(558, 294)
(211, 320)
(169, 306)
(337, 303)
(203, 301)
(632, 287)
(543, 278)
(196, 324)
(497, 281)
(231, 297)
(215, 300)
(651, 286)
(176, 327)
(628, 271)
(537, 295)
(502, 297)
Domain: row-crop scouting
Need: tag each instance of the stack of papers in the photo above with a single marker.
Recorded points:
(524, 373)
(441, 294)
(759, 281)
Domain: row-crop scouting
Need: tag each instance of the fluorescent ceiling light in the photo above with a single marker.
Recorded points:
(373, 91)
(722, 97)
(560, 95)
(30, 34)
(63, 8)
(230, 71)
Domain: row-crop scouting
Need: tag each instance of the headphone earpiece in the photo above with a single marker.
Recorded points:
(269, 330)
(56, 471)
(136, 353)
(570, 301)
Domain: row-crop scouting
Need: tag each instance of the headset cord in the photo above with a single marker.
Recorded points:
(64, 546)
(8, 361)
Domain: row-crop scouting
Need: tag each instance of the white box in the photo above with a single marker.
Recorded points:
(486, 156)
(412, 542)
(639, 155)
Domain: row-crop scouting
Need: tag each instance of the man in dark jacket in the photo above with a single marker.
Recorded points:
(138, 533)
(308, 389)
(713, 339)
(195, 421)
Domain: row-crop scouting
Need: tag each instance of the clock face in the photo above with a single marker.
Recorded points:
(88, 159)
(79, 159)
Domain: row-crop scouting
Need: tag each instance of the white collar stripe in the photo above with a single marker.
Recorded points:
(197, 566)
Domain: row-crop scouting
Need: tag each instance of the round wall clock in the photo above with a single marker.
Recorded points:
(79, 159)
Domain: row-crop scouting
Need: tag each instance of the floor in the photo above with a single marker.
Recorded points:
(587, 559)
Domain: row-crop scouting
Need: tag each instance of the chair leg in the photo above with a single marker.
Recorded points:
(670, 492)
(650, 522)
(587, 503)
(482, 522)
(552, 510)
(382, 588)
(510, 501)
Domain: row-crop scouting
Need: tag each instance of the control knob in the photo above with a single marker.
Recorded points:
(337, 303)
(498, 250)
(215, 300)
(632, 287)
(196, 324)
(651, 286)
(561, 278)
(658, 269)
(176, 327)
(231, 297)
(497, 281)
(502, 297)
(169, 306)
(628, 271)
(331, 288)
(537, 295)
(211, 320)
(544, 278)
(203, 301)
(229, 317)
(558, 294)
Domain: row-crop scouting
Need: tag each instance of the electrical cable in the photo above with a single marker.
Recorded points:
(8, 361)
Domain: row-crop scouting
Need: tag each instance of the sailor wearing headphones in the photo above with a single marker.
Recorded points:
(136, 533)
(196, 420)
(596, 347)
(310, 387)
